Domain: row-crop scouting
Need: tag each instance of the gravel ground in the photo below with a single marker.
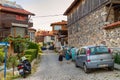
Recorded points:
(50, 69)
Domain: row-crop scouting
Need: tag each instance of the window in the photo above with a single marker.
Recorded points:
(52, 38)
(15, 31)
(83, 51)
(57, 27)
(99, 50)
(117, 14)
(78, 52)
(18, 17)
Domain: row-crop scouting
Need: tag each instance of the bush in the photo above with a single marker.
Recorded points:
(32, 53)
(32, 45)
(29, 57)
(1, 55)
(117, 58)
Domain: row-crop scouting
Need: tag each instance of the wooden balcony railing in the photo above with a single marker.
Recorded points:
(8, 23)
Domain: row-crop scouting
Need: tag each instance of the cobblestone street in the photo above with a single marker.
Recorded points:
(50, 69)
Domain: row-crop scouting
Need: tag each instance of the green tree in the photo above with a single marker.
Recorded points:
(12, 62)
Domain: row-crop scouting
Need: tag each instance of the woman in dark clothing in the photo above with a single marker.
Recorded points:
(60, 57)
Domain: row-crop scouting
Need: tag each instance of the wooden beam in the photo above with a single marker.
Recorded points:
(115, 2)
(109, 12)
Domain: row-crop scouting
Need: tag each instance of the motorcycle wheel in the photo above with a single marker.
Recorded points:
(24, 76)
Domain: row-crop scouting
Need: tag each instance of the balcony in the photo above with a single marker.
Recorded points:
(9, 23)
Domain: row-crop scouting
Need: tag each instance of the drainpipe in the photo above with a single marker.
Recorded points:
(14, 32)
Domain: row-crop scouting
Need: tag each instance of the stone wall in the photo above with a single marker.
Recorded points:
(89, 30)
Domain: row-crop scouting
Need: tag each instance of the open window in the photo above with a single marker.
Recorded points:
(117, 13)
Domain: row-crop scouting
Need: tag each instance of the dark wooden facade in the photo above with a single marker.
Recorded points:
(85, 7)
(63, 36)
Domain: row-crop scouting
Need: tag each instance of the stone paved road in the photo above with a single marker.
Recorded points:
(51, 69)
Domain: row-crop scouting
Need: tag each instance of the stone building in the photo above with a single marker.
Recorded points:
(92, 22)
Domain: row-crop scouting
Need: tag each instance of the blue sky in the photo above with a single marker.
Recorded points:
(44, 8)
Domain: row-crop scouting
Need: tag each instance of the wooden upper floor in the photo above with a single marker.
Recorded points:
(59, 26)
(80, 8)
(14, 20)
(10, 15)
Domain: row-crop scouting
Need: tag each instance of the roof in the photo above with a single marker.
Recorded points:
(112, 25)
(32, 29)
(15, 10)
(71, 7)
(59, 23)
(44, 33)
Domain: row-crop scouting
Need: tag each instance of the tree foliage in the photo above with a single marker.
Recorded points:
(19, 43)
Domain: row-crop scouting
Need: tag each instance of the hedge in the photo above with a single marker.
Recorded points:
(1, 55)
(32, 45)
(29, 57)
(117, 58)
(31, 54)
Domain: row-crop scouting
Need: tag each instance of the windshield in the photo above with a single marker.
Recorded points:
(99, 50)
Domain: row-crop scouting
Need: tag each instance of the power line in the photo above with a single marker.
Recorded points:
(48, 16)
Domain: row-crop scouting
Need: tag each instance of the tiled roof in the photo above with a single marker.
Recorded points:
(15, 10)
(59, 23)
(31, 29)
(112, 25)
(44, 33)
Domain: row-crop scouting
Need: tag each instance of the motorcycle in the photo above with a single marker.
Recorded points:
(24, 68)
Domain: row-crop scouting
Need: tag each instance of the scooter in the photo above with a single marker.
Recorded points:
(24, 69)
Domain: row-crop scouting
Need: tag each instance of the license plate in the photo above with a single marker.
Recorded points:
(103, 65)
(21, 70)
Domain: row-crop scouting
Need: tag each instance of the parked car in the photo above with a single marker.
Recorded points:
(43, 48)
(90, 57)
(51, 48)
